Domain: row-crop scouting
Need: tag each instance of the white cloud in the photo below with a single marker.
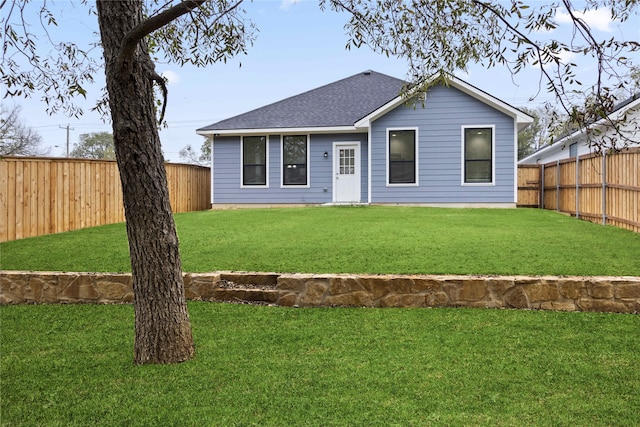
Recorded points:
(286, 4)
(596, 19)
(566, 56)
(171, 76)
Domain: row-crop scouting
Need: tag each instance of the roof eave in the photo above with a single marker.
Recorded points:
(278, 131)
(545, 151)
(365, 122)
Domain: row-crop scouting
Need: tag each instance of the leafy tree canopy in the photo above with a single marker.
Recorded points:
(96, 145)
(540, 132)
(441, 37)
(196, 32)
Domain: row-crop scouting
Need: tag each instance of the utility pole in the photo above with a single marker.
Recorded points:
(68, 129)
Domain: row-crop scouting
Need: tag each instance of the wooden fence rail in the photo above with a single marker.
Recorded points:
(602, 189)
(49, 195)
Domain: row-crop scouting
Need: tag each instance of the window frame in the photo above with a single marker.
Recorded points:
(308, 164)
(266, 159)
(416, 160)
(463, 156)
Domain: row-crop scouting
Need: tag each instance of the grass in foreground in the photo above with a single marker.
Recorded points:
(398, 240)
(65, 365)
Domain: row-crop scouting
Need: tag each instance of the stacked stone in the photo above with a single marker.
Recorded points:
(606, 294)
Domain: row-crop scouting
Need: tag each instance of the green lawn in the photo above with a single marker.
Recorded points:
(71, 365)
(356, 240)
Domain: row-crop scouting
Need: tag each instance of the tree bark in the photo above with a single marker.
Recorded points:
(162, 325)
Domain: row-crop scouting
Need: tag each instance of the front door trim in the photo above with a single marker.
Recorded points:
(353, 193)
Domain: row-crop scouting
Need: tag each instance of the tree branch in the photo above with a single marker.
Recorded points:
(528, 41)
(152, 24)
(163, 86)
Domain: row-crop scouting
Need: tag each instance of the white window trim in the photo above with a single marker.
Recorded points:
(493, 156)
(417, 157)
(282, 184)
(213, 182)
(242, 184)
(369, 134)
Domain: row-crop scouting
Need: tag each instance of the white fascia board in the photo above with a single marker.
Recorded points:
(279, 131)
(543, 152)
(549, 150)
(364, 122)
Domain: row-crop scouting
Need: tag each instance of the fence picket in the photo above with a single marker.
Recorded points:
(49, 195)
(605, 190)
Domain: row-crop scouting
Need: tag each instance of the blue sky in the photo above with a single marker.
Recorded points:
(298, 48)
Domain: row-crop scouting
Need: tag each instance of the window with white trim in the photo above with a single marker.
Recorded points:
(254, 161)
(478, 155)
(402, 156)
(294, 160)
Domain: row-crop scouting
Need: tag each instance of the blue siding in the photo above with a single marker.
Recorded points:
(440, 124)
(227, 166)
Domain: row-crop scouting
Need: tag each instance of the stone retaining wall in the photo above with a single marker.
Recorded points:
(607, 294)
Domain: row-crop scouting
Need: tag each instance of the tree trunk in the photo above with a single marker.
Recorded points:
(162, 326)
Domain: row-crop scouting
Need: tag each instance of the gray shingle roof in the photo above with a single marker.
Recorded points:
(341, 103)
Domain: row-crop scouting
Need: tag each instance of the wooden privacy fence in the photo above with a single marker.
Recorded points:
(49, 195)
(602, 189)
(529, 186)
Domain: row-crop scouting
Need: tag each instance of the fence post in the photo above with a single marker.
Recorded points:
(577, 186)
(541, 192)
(604, 187)
(558, 185)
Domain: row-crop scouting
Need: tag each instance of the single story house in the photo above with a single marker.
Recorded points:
(357, 140)
(575, 143)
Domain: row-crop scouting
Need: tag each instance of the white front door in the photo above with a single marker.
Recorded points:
(346, 172)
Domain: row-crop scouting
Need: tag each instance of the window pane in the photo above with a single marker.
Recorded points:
(347, 161)
(255, 175)
(478, 171)
(255, 150)
(402, 154)
(295, 159)
(402, 172)
(478, 155)
(402, 144)
(573, 150)
(477, 143)
(254, 160)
